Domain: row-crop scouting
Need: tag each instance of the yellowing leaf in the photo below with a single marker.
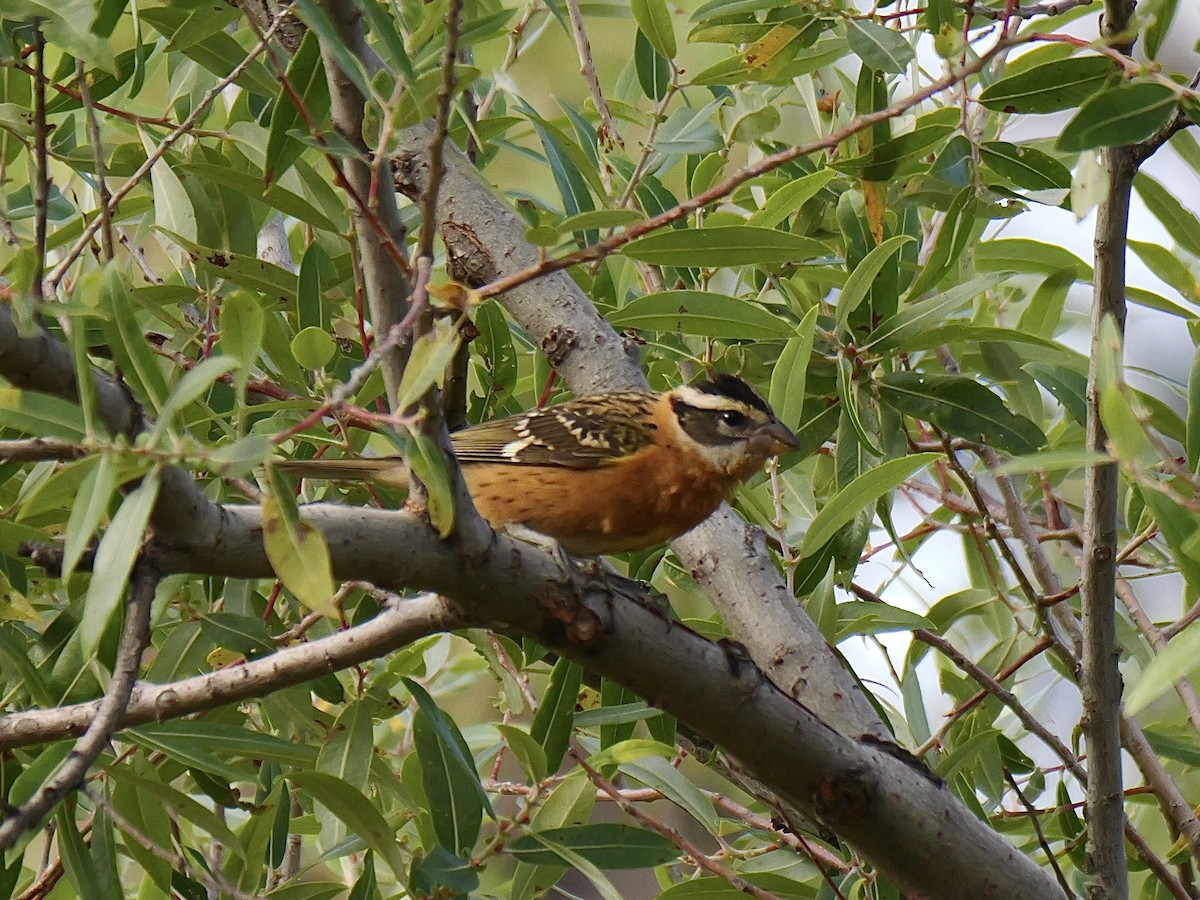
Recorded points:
(299, 556)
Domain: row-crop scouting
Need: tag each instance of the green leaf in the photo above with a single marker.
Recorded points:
(606, 845)
(199, 744)
(962, 407)
(1181, 223)
(652, 68)
(173, 208)
(654, 20)
(242, 329)
(701, 313)
(427, 462)
(192, 386)
(87, 510)
(859, 283)
(306, 73)
(127, 341)
(857, 495)
(1024, 255)
(913, 318)
(1122, 115)
(789, 376)
(1050, 87)
(730, 245)
(298, 553)
(348, 751)
(528, 752)
(879, 47)
(1177, 662)
(555, 717)
(314, 348)
(456, 798)
(1044, 312)
(439, 873)
(1168, 266)
(658, 773)
(788, 199)
(41, 415)
(359, 814)
(1025, 167)
(858, 617)
(118, 550)
(431, 354)
(73, 852)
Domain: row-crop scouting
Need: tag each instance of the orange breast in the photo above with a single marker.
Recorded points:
(630, 505)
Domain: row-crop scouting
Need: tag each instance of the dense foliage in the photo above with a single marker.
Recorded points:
(813, 196)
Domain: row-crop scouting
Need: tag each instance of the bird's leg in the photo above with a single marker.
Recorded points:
(591, 573)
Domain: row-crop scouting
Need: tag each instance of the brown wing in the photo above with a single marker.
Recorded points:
(578, 434)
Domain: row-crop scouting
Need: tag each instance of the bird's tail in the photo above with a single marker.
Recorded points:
(387, 470)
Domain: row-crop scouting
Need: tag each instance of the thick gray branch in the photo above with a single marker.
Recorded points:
(386, 285)
(882, 801)
(37, 362)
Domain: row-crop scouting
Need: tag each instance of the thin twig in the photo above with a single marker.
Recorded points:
(697, 855)
(107, 241)
(1041, 835)
(184, 127)
(91, 744)
(723, 188)
(41, 156)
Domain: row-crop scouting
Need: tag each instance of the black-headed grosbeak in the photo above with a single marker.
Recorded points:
(609, 472)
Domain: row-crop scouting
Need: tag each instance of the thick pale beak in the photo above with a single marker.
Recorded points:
(772, 439)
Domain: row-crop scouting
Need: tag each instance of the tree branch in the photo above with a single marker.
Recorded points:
(106, 717)
(870, 792)
(387, 287)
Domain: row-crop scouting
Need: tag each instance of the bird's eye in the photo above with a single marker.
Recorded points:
(733, 418)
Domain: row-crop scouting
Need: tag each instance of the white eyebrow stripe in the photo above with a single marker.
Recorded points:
(701, 400)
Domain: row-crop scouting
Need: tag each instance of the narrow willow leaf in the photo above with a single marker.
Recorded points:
(361, 816)
(298, 554)
(41, 415)
(654, 20)
(242, 329)
(879, 47)
(307, 76)
(861, 492)
(1026, 167)
(1050, 87)
(195, 383)
(962, 407)
(729, 245)
(787, 199)
(790, 375)
(127, 341)
(607, 845)
(456, 798)
(701, 313)
(658, 773)
(118, 550)
(1123, 115)
(526, 749)
(173, 210)
(1181, 223)
(431, 354)
(87, 510)
(1044, 312)
(848, 390)
(913, 318)
(555, 717)
(1177, 662)
(426, 461)
(859, 283)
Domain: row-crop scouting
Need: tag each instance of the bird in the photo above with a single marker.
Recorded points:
(606, 473)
